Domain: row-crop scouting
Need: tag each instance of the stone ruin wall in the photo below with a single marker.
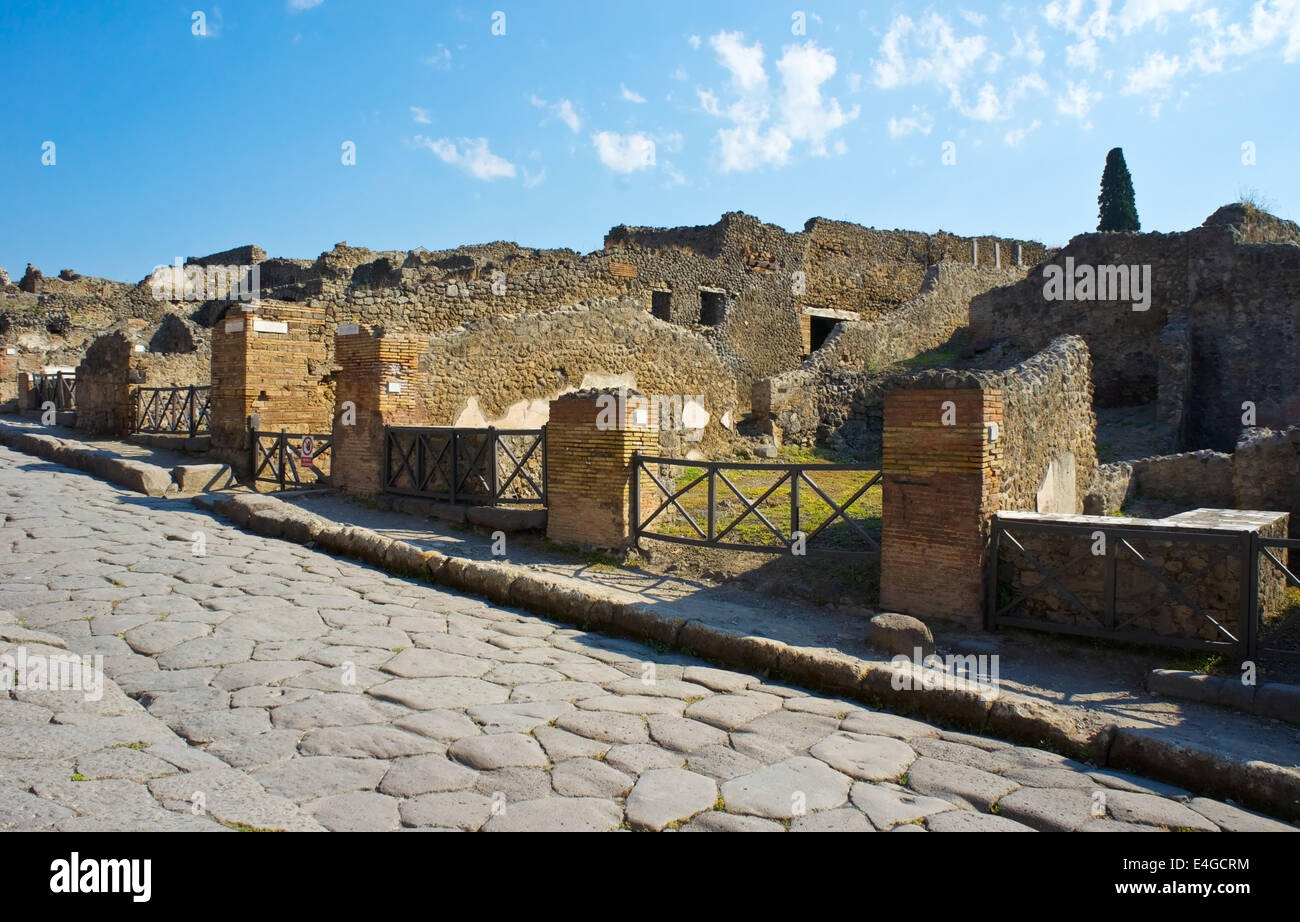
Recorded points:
(1222, 327)
(1046, 442)
(504, 371)
(831, 397)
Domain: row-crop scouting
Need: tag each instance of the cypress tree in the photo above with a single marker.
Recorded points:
(1118, 210)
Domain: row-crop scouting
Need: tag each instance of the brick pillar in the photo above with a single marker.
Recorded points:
(940, 490)
(24, 391)
(376, 376)
(588, 469)
(270, 362)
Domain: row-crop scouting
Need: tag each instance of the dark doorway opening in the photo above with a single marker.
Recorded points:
(819, 329)
(661, 304)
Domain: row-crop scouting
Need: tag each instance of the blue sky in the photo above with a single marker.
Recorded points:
(584, 115)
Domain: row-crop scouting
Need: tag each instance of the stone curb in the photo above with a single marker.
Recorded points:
(136, 476)
(1029, 721)
(1271, 699)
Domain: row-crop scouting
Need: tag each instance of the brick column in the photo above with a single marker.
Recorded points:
(588, 469)
(940, 490)
(271, 362)
(376, 375)
(24, 391)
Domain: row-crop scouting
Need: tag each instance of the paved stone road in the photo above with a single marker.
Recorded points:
(256, 683)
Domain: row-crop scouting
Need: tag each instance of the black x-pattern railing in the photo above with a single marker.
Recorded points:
(472, 466)
(1107, 620)
(281, 458)
(795, 476)
(165, 410)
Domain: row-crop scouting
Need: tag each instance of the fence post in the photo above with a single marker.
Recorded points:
(1248, 630)
(544, 491)
(492, 464)
(284, 441)
(991, 578)
(455, 451)
(1111, 578)
(635, 499)
(192, 399)
(794, 501)
(713, 496)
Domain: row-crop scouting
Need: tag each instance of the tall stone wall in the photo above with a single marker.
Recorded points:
(104, 380)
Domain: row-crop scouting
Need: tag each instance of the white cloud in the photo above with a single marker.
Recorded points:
(532, 180)
(1016, 136)
(1068, 15)
(975, 19)
(854, 83)
(919, 121)
(990, 106)
(1155, 74)
(420, 114)
(675, 176)
(694, 40)
(1138, 13)
(1270, 21)
(629, 95)
(1083, 54)
(672, 142)
(1028, 48)
(938, 55)
(441, 57)
(471, 155)
(1078, 100)
(765, 123)
(678, 74)
(304, 4)
(624, 153)
(563, 110)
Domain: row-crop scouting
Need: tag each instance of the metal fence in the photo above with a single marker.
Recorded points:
(489, 467)
(791, 507)
(1280, 635)
(1104, 587)
(290, 460)
(172, 410)
(59, 388)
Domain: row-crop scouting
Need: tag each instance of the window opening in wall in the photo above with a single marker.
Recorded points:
(713, 307)
(819, 329)
(661, 304)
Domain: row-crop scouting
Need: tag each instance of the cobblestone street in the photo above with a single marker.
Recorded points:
(254, 683)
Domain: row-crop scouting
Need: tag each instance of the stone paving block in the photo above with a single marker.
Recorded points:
(965, 786)
(841, 819)
(1048, 809)
(378, 741)
(359, 811)
(866, 758)
(607, 726)
(1151, 810)
(308, 777)
(668, 795)
(439, 693)
(717, 821)
(887, 807)
(636, 758)
(498, 750)
(458, 809)
(590, 778)
(683, 734)
(780, 791)
(557, 814)
(970, 821)
(426, 774)
(728, 712)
